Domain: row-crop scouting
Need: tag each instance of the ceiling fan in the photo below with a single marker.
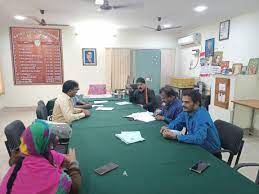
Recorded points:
(104, 5)
(42, 21)
(161, 27)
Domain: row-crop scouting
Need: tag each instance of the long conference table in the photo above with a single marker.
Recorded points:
(154, 166)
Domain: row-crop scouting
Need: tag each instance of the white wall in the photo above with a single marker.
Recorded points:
(2, 97)
(18, 96)
(1, 102)
(242, 45)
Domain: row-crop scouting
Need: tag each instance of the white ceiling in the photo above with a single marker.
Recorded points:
(175, 12)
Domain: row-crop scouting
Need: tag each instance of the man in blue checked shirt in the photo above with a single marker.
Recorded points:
(200, 127)
(173, 106)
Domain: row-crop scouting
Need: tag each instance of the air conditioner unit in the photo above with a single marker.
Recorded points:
(193, 39)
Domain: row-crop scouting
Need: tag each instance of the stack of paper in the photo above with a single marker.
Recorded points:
(105, 108)
(142, 116)
(97, 105)
(100, 101)
(123, 103)
(99, 96)
(129, 137)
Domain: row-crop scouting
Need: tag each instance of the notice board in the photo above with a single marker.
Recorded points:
(222, 92)
(36, 56)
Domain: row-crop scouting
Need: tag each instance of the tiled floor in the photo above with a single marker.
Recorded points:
(27, 115)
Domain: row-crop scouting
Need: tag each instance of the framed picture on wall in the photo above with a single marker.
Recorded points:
(217, 58)
(244, 70)
(253, 66)
(224, 65)
(209, 47)
(237, 68)
(89, 56)
(224, 30)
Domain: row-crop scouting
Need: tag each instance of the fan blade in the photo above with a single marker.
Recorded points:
(57, 25)
(106, 7)
(129, 5)
(119, 6)
(171, 28)
(35, 19)
(148, 27)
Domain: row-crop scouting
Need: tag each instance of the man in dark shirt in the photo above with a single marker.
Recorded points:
(173, 106)
(143, 96)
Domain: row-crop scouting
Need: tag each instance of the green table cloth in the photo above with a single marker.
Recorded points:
(154, 166)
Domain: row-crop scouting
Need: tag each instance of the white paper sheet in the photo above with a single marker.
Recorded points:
(100, 101)
(98, 96)
(105, 108)
(123, 103)
(142, 116)
(130, 137)
(97, 105)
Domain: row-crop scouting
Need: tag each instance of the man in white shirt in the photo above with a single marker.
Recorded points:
(64, 111)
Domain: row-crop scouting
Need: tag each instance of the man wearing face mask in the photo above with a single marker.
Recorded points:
(143, 96)
(199, 125)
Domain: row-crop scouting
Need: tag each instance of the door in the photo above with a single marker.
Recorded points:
(147, 64)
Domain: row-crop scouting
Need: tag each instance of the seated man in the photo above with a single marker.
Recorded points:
(63, 111)
(143, 96)
(173, 106)
(80, 104)
(199, 125)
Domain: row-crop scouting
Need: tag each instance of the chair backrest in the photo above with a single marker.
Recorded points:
(134, 86)
(41, 102)
(50, 106)
(230, 135)
(13, 132)
(97, 89)
(42, 112)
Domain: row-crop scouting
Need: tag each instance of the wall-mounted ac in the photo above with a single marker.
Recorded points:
(193, 39)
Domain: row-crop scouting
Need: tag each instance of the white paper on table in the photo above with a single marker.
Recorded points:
(99, 96)
(130, 137)
(97, 105)
(105, 108)
(123, 103)
(142, 116)
(100, 101)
